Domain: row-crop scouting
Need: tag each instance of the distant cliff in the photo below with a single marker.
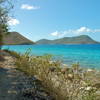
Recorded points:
(15, 38)
(82, 39)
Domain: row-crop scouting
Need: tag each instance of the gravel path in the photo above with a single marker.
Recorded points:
(15, 85)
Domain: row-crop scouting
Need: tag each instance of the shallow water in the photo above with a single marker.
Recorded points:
(86, 55)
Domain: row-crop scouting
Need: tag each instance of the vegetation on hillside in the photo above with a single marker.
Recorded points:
(83, 39)
(14, 38)
(62, 82)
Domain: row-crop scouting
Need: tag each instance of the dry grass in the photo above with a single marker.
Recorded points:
(68, 83)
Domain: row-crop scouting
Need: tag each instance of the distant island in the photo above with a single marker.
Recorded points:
(15, 38)
(82, 39)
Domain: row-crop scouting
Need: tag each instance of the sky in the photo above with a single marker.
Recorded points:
(52, 19)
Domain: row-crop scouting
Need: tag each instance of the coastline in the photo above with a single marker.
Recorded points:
(56, 79)
(87, 55)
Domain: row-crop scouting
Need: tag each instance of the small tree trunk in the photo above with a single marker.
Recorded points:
(1, 41)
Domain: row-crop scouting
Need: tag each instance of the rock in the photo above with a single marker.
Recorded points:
(88, 88)
(98, 93)
(71, 76)
(81, 88)
(90, 70)
(12, 92)
(51, 62)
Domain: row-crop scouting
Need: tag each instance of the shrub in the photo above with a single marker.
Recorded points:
(68, 85)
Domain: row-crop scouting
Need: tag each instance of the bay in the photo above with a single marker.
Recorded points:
(88, 55)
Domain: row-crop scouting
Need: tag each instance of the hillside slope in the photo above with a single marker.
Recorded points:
(82, 39)
(14, 38)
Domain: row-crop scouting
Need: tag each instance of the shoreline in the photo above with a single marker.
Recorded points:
(88, 56)
(56, 79)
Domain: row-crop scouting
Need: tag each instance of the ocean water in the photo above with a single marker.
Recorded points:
(87, 55)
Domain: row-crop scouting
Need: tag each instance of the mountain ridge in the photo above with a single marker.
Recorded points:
(15, 38)
(82, 39)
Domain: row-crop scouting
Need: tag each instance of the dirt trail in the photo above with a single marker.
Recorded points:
(15, 85)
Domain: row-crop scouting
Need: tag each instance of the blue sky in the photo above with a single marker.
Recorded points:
(52, 19)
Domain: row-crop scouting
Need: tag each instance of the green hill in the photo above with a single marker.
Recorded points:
(14, 38)
(82, 39)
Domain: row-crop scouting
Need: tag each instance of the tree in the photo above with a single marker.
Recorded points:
(5, 7)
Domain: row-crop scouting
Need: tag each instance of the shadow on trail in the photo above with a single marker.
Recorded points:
(15, 85)
(2, 58)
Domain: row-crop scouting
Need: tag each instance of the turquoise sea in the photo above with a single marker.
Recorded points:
(86, 55)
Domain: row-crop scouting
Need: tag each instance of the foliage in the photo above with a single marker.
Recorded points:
(82, 39)
(5, 7)
(68, 83)
(13, 53)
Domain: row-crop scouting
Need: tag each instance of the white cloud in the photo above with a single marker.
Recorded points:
(55, 33)
(81, 30)
(29, 7)
(13, 21)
